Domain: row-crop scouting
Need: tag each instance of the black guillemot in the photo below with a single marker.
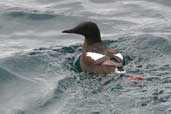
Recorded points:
(97, 57)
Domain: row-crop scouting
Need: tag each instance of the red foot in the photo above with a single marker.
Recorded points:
(136, 77)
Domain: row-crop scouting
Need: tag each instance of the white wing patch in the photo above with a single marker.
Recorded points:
(95, 56)
(119, 55)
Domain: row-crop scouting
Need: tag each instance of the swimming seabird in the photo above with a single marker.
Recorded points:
(97, 57)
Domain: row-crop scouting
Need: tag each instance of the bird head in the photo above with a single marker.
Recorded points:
(89, 30)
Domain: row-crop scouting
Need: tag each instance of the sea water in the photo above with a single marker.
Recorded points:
(37, 75)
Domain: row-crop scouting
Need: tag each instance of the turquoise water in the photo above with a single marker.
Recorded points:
(36, 61)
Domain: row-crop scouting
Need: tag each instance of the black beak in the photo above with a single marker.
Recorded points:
(68, 31)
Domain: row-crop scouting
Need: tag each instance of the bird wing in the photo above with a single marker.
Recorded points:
(114, 54)
(111, 51)
(100, 59)
(111, 63)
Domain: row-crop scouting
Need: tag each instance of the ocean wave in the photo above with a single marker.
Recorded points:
(45, 80)
(146, 47)
(32, 14)
(6, 75)
(53, 68)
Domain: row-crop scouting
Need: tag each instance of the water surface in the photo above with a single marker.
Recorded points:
(36, 71)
